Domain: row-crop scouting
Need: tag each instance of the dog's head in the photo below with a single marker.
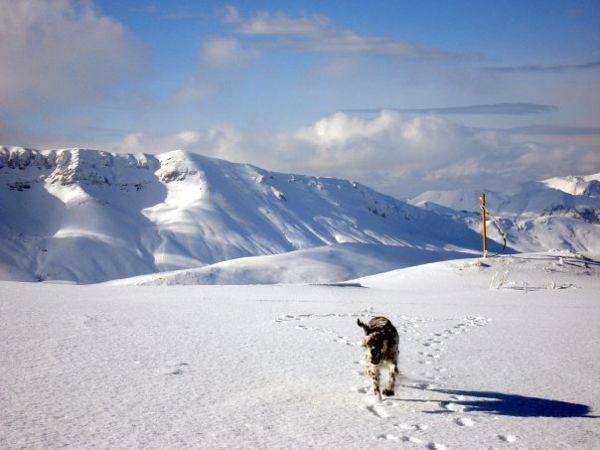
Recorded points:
(372, 342)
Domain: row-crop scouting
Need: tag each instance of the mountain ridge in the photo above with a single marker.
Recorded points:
(556, 213)
(89, 216)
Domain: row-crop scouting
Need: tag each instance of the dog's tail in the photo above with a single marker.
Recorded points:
(363, 325)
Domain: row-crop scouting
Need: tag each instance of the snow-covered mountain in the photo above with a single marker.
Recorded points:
(559, 213)
(588, 185)
(456, 199)
(90, 216)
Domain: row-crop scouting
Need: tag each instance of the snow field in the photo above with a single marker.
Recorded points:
(281, 366)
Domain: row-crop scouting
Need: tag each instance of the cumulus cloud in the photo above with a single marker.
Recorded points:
(421, 153)
(219, 141)
(60, 51)
(389, 138)
(400, 155)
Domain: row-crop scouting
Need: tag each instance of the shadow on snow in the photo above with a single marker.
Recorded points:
(515, 405)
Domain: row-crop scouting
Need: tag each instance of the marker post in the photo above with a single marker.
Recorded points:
(483, 225)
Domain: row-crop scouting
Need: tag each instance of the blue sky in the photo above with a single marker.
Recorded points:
(405, 96)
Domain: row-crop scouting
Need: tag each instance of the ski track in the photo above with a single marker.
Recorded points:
(432, 337)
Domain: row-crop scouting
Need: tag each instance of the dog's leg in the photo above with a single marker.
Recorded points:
(374, 372)
(393, 370)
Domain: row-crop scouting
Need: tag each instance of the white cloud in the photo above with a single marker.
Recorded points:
(265, 24)
(387, 140)
(317, 34)
(397, 154)
(219, 141)
(60, 51)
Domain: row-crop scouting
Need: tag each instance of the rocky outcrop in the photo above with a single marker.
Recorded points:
(69, 166)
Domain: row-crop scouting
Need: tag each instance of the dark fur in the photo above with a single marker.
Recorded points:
(381, 342)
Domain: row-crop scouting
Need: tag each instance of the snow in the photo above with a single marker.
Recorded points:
(458, 199)
(582, 185)
(326, 264)
(89, 216)
(226, 316)
(559, 213)
(496, 353)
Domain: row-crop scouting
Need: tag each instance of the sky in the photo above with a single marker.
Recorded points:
(405, 96)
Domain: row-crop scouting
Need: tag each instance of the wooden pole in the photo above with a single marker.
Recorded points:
(483, 225)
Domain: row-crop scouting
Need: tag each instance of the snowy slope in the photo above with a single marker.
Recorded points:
(326, 264)
(457, 199)
(90, 216)
(496, 355)
(558, 213)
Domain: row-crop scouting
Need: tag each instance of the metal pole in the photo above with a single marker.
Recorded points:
(483, 225)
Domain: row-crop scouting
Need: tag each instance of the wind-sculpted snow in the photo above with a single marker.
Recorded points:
(90, 216)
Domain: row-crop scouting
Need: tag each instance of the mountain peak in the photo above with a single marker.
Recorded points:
(588, 185)
(88, 215)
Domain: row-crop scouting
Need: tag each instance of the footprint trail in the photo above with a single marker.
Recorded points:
(424, 343)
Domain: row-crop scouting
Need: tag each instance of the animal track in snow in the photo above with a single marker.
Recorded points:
(413, 427)
(389, 437)
(412, 439)
(425, 386)
(510, 438)
(174, 369)
(425, 343)
(436, 446)
(464, 422)
(289, 319)
(453, 407)
(361, 390)
(410, 327)
(377, 411)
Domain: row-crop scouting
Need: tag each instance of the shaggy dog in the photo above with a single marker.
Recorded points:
(381, 342)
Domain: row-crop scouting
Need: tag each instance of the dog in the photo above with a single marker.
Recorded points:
(381, 343)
